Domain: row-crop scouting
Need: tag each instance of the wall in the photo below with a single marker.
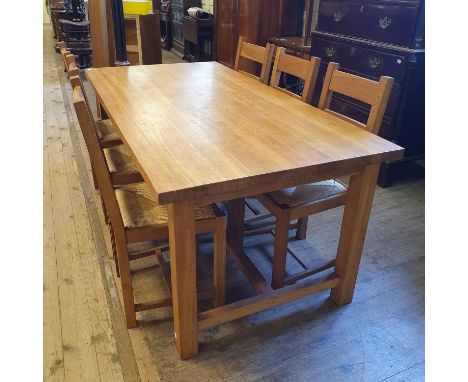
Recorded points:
(207, 5)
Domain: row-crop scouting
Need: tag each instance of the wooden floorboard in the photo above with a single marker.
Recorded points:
(379, 337)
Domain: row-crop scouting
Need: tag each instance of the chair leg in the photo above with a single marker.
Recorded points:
(114, 251)
(281, 247)
(126, 280)
(301, 230)
(96, 185)
(219, 262)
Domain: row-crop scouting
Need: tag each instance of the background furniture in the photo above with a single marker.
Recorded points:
(302, 144)
(178, 11)
(57, 14)
(198, 39)
(143, 39)
(165, 27)
(371, 39)
(256, 20)
(297, 40)
(77, 38)
(293, 45)
(65, 10)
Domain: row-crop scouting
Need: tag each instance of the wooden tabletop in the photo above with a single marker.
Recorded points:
(204, 132)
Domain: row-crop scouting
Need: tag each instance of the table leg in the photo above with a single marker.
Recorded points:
(100, 112)
(183, 276)
(353, 232)
(235, 226)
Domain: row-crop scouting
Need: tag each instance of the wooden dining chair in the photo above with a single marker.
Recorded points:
(306, 70)
(302, 201)
(135, 217)
(71, 68)
(62, 49)
(108, 136)
(252, 52)
(122, 167)
(370, 92)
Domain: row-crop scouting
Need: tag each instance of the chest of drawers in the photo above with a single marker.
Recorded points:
(371, 39)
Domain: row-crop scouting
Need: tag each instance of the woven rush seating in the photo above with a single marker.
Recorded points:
(306, 193)
(119, 160)
(106, 133)
(139, 209)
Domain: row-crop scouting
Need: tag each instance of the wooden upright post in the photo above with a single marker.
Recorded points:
(99, 18)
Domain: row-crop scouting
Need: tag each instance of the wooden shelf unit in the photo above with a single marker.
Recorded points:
(143, 39)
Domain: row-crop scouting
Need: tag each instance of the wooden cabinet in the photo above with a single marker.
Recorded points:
(257, 20)
(178, 11)
(198, 37)
(372, 38)
(143, 39)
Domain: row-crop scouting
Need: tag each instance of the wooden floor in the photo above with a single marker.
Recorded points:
(379, 337)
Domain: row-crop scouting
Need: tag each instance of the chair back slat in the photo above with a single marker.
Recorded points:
(373, 93)
(306, 70)
(361, 88)
(258, 54)
(98, 161)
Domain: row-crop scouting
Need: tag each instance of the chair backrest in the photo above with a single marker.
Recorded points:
(98, 161)
(373, 93)
(62, 46)
(76, 81)
(255, 53)
(298, 67)
(70, 64)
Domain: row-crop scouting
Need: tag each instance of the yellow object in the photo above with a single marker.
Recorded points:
(137, 7)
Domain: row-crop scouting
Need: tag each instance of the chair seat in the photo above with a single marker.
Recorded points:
(119, 160)
(106, 131)
(139, 209)
(307, 193)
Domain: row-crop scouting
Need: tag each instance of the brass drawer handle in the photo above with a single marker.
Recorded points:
(374, 62)
(330, 51)
(338, 16)
(385, 22)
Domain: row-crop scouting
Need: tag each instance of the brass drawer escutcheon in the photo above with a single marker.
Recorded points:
(385, 22)
(374, 62)
(338, 16)
(330, 51)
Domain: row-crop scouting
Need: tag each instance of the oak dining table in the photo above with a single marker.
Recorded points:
(203, 133)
